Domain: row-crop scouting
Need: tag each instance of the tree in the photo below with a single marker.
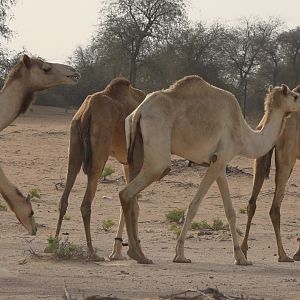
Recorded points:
(290, 41)
(5, 5)
(242, 46)
(136, 25)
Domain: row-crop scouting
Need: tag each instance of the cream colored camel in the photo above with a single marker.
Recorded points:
(201, 123)
(287, 150)
(24, 79)
(97, 132)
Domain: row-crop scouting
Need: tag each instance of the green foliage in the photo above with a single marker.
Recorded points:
(216, 225)
(107, 171)
(53, 244)
(34, 193)
(242, 211)
(3, 207)
(176, 215)
(219, 225)
(175, 229)
(200, 225)
(107, 224)
(63, 249)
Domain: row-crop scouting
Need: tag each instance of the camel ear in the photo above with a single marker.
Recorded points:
(297, 89)
(270, 88)
(26, 61)
(284, 89)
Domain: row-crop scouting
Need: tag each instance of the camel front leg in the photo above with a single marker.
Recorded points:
(211, 175)
(74, 165)
(258, 180)
(239, 256)
(285, 158)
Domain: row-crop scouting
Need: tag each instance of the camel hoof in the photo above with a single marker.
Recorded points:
(117, 256)
(181, 259)
(95, 257)
(244, 250)
(243, 262)
(296, 257)
(285, 259)
(145, 261)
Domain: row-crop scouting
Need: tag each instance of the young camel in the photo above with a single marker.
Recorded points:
(287, 151)
(24, 79)
(201, 123)
(97, 132)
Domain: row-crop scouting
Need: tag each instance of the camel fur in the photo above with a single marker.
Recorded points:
(287, 151)
(201, 123)
(97, 132)
(24, 79)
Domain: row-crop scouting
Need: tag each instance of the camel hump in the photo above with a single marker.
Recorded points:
(187, 82)
(117, 87)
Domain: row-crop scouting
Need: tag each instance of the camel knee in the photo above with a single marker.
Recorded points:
(251, 208)
(85, 210)
(274, 213)
(231, 216)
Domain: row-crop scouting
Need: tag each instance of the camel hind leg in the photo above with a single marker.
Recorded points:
(117, 248)
(143, 170)
(74, 165)
(100, 152)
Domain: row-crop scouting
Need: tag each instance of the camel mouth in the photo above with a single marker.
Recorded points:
(74, 77)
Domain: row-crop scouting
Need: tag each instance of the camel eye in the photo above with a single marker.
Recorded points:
(295, 98)
(31, 214)
(46, 69)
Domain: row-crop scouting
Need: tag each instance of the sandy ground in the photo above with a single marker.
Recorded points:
(33, 154)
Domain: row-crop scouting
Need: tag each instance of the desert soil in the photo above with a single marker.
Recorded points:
(33, 154)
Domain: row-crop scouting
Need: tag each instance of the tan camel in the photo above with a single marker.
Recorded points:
(24, 79)
(97, 132)
(287, 151)
(201, 123)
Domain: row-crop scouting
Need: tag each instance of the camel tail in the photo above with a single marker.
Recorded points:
(264, 165)
(132, 123)
(83, 127)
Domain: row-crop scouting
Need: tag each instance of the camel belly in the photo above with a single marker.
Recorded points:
(197, 150)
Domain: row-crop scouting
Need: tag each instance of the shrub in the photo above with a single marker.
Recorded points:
(176, 229)
(63, 249)
(3, 207)
(34, 193)
(200, 225)
(107, 171)
(242, 210)
(107, 224)
(176, 215)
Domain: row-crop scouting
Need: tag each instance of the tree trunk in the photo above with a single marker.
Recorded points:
(132, 75)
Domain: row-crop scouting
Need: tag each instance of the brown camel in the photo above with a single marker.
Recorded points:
(24, 79)
(287, 151)
(201, 123)
(97, 132)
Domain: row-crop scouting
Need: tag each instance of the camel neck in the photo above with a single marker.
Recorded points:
(13, 98)
(258, 142)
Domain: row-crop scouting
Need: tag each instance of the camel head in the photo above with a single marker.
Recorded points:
(282, 98)
(40, 75)
(22, 208)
